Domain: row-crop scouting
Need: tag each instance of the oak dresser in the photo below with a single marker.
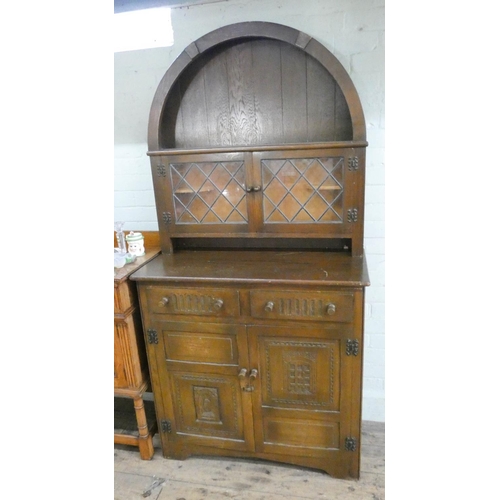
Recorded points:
(253, 313)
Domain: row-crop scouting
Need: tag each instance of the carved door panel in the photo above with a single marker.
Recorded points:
(199, 365)
(301, 397)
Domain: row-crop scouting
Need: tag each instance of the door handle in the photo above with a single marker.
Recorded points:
(253, 375)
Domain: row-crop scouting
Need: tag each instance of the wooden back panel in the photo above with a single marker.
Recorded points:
(254, 92)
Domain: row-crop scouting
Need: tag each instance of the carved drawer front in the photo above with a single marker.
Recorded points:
(209, 302)
(312, 306)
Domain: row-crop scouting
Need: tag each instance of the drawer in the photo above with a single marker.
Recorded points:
(193, 301)
(315, 306)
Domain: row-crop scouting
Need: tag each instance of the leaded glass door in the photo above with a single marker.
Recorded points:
(283, 193)
(207, 193)
(303, 191)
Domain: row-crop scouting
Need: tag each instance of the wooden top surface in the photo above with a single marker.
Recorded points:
(243, 266)
(124, 272)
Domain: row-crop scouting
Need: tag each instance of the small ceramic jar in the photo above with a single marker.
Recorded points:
(135, 243)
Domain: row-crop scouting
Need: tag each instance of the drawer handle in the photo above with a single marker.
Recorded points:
(218, 303)
(269, 307)
(243, 373)
(330, 309)
(253, 374)
(165, 301)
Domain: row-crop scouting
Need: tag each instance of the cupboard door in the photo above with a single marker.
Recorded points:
(203, 193)
(301, 392)
(307, 191)
(198, 375)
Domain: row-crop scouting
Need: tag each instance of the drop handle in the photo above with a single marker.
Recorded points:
(330, 309)
(253, 376)
(218, 303)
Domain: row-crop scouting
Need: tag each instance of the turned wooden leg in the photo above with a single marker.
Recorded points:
(145, 442)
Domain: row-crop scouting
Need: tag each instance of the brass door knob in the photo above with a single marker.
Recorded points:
(253, 374)
(243, 373)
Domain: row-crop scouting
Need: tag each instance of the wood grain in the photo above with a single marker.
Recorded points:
(255, 92)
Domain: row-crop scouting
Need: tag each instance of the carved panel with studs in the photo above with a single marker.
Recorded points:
(293, 369)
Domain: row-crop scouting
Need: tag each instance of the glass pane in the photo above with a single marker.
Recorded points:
(209, 192)
(304, 190)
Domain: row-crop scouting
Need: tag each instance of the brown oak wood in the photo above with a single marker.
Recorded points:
(253, 314)
(304, 377)
(130, 361)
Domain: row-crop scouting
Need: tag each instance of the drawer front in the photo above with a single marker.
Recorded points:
(311, 306)
(207, 302)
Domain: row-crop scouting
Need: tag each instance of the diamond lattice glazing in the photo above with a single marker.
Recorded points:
(303, 190)
(209, 192)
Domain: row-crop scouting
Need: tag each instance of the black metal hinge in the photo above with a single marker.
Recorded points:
(352, 347)
(167, 217)
(166, 426)
(350, 444)
(152, 336)
(353, 163)
(352, 215)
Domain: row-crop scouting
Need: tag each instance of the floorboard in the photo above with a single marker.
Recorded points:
(214, 478)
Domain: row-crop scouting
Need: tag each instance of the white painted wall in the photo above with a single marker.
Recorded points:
(353, 30)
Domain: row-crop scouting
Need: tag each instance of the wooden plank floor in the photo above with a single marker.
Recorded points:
(211, 478)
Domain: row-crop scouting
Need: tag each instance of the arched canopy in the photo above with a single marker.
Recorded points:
(254, 84)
